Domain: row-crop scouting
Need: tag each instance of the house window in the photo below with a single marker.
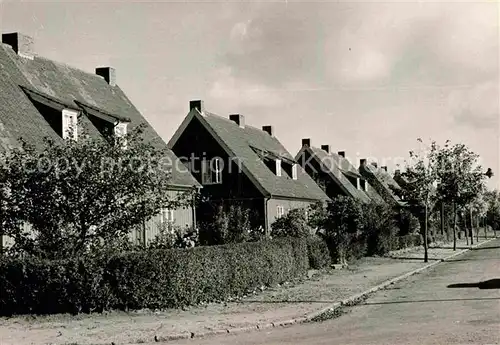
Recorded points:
(294, 171)
(280, 211)
(211, 171)
(167, 216)
(278, 167)
(358, 184)
(69, 124)
(121, 131)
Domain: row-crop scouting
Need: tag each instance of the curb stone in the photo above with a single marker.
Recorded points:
(309, 317)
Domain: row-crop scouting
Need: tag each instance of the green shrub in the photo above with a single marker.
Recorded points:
(379, 225)
(318, 253)
(161, 278)
(358, 247)
(228, 223)
(410, 240)
(293, 224)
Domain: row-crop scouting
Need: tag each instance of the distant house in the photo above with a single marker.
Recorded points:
(400, 179)
(41, 98)
(334, 173)
(240, 164)
(382, 182)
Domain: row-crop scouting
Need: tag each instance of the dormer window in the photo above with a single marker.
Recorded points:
(69, 124)
(278, 167)
(120, 131)
(364, 185)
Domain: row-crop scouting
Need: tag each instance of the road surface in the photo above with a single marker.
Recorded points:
(444, 305)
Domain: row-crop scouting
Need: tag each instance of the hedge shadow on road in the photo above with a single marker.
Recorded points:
(487, 284)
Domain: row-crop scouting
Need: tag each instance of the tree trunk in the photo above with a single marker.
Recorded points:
(454, 227)
(426, 254)
(442, 218)
(464, 219)
(477, 229)
(485, 229)
(471, 228)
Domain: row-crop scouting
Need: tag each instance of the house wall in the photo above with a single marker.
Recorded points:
(183, 217)
(272, 208)
(196, 144)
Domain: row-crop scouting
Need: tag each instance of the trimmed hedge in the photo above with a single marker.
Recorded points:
(318, 253)
(148, 279)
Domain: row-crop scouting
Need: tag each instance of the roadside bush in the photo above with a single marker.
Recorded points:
(293, 224)
(318, 253)
(228, 224)
(410, 240)
(168, 278)
(379, 225)
(339, 223)
(407, 223)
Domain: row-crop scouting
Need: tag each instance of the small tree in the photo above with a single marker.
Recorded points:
(493, 209)
(339, 221)
(421, 188)
(378, 223)
(75, 194)
(460, 178)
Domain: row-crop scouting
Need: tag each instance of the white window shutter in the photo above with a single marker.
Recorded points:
(358, 183)
(294, 171)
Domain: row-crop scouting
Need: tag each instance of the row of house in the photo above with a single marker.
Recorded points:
(234, 162)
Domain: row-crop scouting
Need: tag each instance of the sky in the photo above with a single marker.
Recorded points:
(368, 78)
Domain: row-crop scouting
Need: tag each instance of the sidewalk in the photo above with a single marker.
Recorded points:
(270, 306)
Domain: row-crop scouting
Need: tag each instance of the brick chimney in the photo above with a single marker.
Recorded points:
(397, 172)
(238, 119)
(268, 129)
(375, 164)
(306, 142)
(197, 104)
(326, 148)
(341, 153)
(362, 162)
(23, 45)
(384, 168)
(108, 73)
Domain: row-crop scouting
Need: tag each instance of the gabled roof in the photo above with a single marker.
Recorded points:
(384, 180)
(24, 82)
(244, 144)
(329, 163)
(345, 165)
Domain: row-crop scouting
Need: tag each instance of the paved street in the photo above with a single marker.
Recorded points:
(445, 305)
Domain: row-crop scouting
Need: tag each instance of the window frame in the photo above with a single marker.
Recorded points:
(66, 125)
(211, 175)
(280, 211)
(278, 167)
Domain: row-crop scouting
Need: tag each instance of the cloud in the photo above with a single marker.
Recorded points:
(366, 43)
(236, 94)
(476, 108)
